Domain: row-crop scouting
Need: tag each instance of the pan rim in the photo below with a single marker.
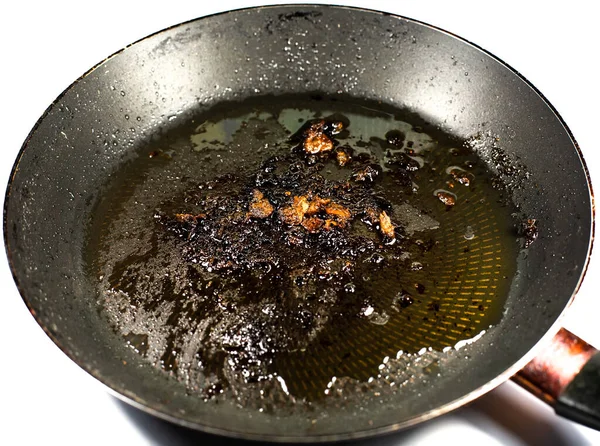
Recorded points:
(490, 385)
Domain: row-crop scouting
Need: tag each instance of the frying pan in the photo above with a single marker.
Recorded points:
(512, 339)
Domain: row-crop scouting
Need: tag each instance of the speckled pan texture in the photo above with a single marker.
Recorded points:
(99, 122)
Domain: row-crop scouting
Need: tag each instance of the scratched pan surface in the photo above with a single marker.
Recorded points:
(65, 167)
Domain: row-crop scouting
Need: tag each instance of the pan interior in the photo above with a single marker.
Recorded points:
(286, 332)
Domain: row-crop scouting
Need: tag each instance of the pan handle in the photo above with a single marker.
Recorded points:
(566, 375)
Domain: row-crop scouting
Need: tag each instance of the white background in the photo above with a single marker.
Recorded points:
(45, 398)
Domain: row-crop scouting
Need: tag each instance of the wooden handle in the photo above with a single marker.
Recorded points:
(566, 375)
(549, 373)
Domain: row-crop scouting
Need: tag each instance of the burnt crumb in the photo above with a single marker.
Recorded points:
(159, 154)
(420, 288)
(376, 258)
(433, 306)
(426, 245)
(308, 15)
(529, 230)
(403, 161)
(368, 173)
(395, 137)
(283, 19)
(403, 299)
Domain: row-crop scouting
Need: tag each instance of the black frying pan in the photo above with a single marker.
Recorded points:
(48, 264)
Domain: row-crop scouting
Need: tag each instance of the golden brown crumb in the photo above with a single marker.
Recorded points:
(338, 126)
(317, 143)
(329, 224)
(259, 206)
(312, 224)
(303, 212)
(289, 216)
(461, 177)
(446, 198)
(189, 218)
(339, 211)
(293, 214)
(315, 140)
(385, 225)
(317, 204)
(301, 203)
(342, 158)
(372, 215)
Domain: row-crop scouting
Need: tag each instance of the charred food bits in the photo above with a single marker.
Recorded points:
(260, 221)
(285, 241)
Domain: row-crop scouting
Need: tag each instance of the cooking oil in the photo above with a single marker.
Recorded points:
(442, 283)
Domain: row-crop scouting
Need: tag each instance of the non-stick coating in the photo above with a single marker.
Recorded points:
(92, 127)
